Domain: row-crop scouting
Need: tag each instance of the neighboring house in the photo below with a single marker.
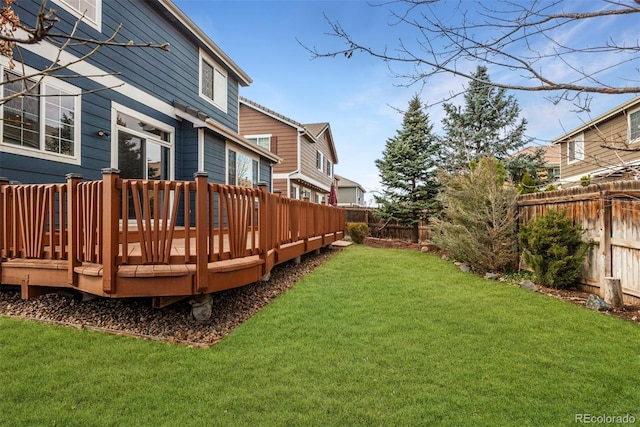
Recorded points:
(350, 193)
(307, 150)
(550, 172)
(150, 113)
(606, 148)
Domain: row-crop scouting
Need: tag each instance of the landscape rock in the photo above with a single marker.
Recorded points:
(465, 268)
(594, 302)
(491, 276)
(528, 284)
(136, 317)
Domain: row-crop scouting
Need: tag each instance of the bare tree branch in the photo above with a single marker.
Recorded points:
(14, 33)
(524, 38)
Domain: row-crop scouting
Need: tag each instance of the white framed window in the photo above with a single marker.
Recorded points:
(89, 10)
(43, 123)
(263, 141)
(294, 192)
(142, 147)
(634, 126)
(575, 149)
(329, 169)
(320, 198)
(213, 82)
(242, 168)
(319, 160)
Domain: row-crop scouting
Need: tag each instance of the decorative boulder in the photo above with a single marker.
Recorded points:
(491, 276)
(528, 284)
(594, 302)
(201, 308)
(465, 268)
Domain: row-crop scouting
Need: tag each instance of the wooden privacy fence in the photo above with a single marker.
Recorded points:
(610, 215)
(383, 229)
(124, 237)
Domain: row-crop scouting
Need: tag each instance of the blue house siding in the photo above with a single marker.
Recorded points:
(187, 153)
(166, 75)
(265, 172)
(163, 77)
(214, 158)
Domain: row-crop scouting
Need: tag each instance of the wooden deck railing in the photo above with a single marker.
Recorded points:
(113, 228)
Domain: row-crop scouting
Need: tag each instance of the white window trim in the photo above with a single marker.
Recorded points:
(203, 56)
(265, 135)
(97, 23)
(118, 108)
(237, 149)
(297, 195)
(321, 168)
(636, 140)
(579, 154)
(77, 134)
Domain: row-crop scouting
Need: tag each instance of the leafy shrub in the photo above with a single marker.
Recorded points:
(478, 226)
(357, 231)
(585, 180)
(551, 187)
(553, 247)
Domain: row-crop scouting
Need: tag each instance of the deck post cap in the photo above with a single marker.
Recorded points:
(110, 171)
(73, 175)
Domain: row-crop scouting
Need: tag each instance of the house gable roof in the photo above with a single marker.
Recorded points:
(318, 129)
(551, 154)
(632, 103)
(347, 183)
(312, 130)
(189, 25)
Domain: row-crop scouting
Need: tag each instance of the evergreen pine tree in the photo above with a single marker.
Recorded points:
(487, 125)
(408, 171)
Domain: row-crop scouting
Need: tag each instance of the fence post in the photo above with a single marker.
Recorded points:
(73, 232)
(605, 237)
(111, 228)
(202, 211)
(3, 220)
(612, 292)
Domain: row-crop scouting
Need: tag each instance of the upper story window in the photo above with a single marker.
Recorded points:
(319, 160)
(634, 126)
(213, 82)
(329, 169)
(575, 149)
(42, 122)
(89, 10)
(263, 141)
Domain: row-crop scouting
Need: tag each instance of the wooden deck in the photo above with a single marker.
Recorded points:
(162, 239)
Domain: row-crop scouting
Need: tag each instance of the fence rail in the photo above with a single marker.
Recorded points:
(126, 237)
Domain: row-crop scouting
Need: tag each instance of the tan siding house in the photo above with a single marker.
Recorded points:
(604, 149)
(307, 150)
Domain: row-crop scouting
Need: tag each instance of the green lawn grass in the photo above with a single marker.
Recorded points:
(373, 337)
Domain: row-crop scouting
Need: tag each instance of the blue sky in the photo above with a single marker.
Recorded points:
(357, 96)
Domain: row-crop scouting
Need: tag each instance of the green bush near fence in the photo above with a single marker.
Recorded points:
(553, 247)
(357, 231)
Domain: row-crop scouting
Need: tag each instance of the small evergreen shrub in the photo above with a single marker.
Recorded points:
(553, 247)
(357, 231)
(527, 185)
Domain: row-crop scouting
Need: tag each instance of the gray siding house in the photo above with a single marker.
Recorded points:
(151, 113)
(350, 193)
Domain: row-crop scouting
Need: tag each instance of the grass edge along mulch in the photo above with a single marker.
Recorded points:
(372, 337)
